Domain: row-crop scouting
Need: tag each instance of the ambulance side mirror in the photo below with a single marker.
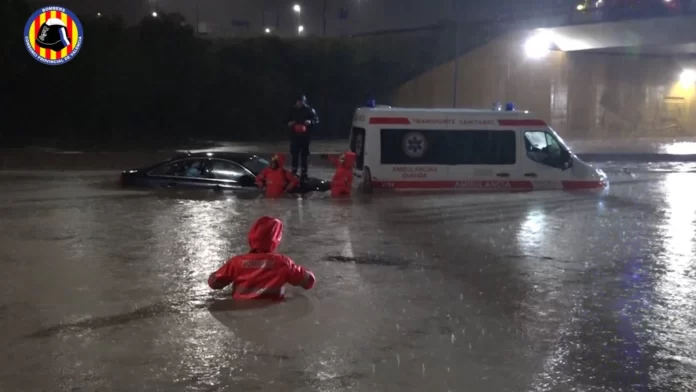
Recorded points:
(566, 159)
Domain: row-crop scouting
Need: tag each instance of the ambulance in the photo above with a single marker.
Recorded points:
(463, 149)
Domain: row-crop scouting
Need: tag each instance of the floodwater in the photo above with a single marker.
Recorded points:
(103, 289)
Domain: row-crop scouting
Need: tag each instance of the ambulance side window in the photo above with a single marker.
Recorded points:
(543, 147)
(414, 147)
(482, 147)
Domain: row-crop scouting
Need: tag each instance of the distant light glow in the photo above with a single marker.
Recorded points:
(580, 7)
(687, 77)
(98, 14)
(668, 1)
(297, 8)
(154, 14)
(679, 148)
(300, 28)
(268, 31)
(538, 45)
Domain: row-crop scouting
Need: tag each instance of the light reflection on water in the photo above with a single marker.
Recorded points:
(532, 231)
(676, 286)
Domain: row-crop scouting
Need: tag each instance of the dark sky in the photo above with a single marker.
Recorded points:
(363, 15)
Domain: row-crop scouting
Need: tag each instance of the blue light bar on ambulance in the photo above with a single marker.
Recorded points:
(510, 107)
(371, 103)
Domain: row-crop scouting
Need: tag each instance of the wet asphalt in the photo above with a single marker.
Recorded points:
(104, 289)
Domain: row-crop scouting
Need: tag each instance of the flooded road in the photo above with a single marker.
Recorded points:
(103, 289)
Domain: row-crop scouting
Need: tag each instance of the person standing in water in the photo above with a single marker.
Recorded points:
(301, 120)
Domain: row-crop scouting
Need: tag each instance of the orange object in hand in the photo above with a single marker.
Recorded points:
(300, 128)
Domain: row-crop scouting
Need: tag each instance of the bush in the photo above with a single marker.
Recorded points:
(156, 83)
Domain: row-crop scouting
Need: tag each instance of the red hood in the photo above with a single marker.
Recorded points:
(265, 235)
(349, 160)
(281, 160)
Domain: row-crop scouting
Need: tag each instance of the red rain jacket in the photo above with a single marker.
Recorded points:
(277, 181)
(342, 181)
(262, 273)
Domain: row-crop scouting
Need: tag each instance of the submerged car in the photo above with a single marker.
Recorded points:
(208, 170)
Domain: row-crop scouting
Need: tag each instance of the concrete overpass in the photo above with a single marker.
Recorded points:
(623, 78)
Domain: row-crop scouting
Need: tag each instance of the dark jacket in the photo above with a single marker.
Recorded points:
(299, 116)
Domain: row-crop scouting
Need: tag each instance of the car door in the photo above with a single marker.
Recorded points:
(188, 173)
(230, 175)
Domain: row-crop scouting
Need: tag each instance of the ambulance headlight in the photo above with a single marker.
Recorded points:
(538, 45)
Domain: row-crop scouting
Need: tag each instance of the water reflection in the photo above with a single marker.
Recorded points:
(676, 287)
(532, 231)
(203, 235)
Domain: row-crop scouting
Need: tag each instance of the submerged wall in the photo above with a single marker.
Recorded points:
(582, 94)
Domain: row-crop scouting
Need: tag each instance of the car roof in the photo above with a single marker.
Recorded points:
(238, 157)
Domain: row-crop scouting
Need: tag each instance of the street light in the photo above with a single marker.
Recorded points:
(580, 7)
(297, 8)
(687, 77)
(268, 31)
(98, 14)
(154, 14)
(538, 45)
(300, 29)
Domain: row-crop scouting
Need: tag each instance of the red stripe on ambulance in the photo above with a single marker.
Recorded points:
(473, 184)
(390, 120)
(522, 123)
(491, 185)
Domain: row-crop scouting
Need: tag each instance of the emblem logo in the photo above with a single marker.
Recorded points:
(53, 35)
(415, 145)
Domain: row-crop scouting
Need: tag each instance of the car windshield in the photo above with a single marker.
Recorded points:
(255, 165)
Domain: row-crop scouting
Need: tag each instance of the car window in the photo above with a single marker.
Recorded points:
(226, 170)
(182, 168)
(543, 147)
(255, 165)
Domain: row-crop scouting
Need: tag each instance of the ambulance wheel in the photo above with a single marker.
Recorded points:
(367, 181)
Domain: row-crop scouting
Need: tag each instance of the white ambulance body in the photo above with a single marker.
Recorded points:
(466, 149)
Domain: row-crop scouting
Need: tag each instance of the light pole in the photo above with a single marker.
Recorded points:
(326, 5)
(298, 10)
(455, 72)
(198, 23)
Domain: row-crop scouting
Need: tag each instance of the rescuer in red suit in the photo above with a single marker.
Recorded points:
(262, 273)
(275, 179)
(342, 181)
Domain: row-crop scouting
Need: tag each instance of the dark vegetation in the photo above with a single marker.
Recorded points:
(157, 84)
